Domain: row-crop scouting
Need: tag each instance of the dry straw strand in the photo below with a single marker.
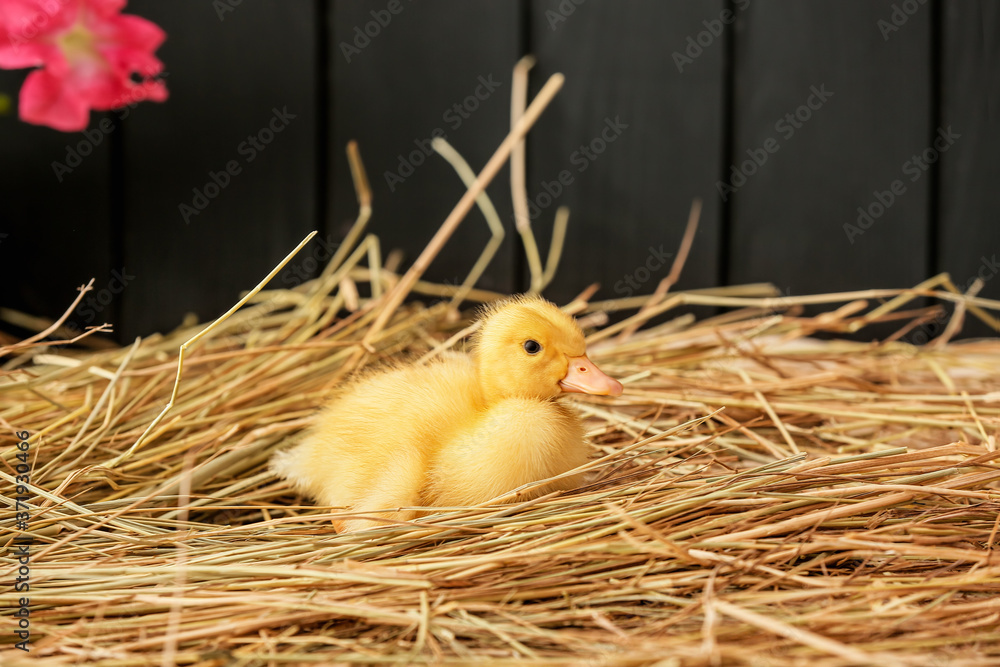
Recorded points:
(756, 496)
(198, 336)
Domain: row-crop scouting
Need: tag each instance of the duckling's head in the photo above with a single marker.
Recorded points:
(528, 348)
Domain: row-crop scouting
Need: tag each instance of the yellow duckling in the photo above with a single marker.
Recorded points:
(458, 431)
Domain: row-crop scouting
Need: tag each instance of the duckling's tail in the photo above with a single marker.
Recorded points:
(285, 464)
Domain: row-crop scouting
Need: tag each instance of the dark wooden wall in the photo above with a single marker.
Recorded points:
(833, 98)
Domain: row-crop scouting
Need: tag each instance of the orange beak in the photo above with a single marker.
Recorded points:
(584, 377)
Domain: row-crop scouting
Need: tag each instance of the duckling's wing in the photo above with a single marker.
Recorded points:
(515, 442)
(339, 477)
(368, 451)
(396, 487)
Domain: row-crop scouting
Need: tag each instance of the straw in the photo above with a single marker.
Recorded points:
(875, 543)
(517, 133)
(756, 496)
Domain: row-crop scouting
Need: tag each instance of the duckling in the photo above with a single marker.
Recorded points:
(457, 431)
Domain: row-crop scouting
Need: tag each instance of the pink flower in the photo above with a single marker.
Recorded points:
(87, 52)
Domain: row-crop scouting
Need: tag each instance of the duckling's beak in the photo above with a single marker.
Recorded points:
(584, 377)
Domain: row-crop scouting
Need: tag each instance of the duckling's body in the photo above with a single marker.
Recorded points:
(458, 431)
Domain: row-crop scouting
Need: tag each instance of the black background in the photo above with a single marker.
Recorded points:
(695, 92)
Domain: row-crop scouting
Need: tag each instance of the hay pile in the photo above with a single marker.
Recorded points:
(757, 497)
(841, 510)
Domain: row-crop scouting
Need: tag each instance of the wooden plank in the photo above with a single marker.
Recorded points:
(833, 110)
(403, 71)
(969, 234)
(636, 133)
(55, 222)
(237, 138)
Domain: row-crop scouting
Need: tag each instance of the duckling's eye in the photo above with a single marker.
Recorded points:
(532, 346)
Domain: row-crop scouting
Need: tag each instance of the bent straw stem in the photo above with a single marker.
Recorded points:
(694, 216)
(403, 287)
(555, 246)
(464, 171)
(364, 194)
(27, 342)
(518, 171)
(198, 336)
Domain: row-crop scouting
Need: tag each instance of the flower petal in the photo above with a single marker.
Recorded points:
(48, 100)
(17, 55)
(105, 7)
(90, 54)
(34, 17)
(24, 27)
(137, 33)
